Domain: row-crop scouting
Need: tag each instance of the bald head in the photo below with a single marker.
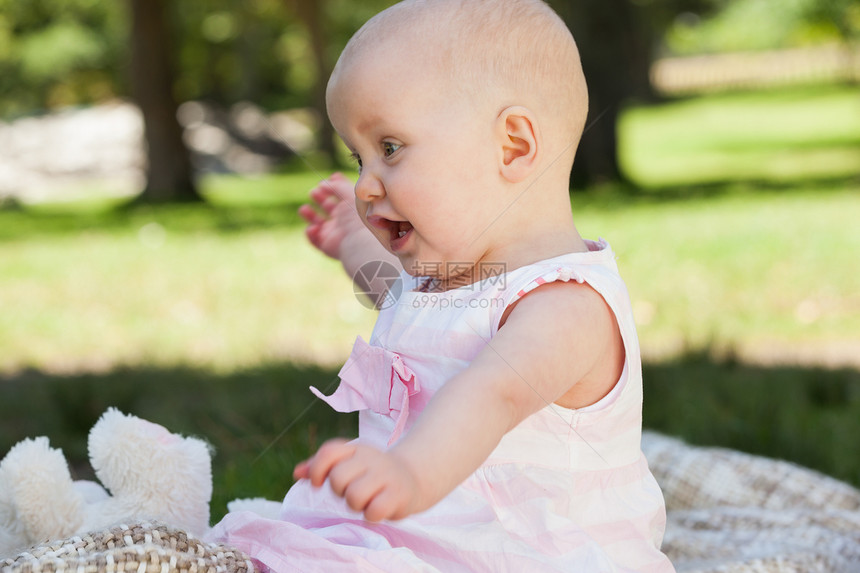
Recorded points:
(496, 53)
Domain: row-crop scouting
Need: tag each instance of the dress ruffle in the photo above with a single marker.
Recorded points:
(362, 389)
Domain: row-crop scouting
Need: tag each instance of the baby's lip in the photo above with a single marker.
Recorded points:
(398, 231)
(379, 222)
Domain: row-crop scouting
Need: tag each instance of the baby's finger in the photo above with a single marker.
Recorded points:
(314, 235)
(311, 215)
(361, 492)
(330, 204)
(384, 505)
(301, 470)
(340, 186)
(321, 193)
(345, 473)
(329, 455)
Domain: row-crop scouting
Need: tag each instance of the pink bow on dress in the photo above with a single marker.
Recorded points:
(362, 388)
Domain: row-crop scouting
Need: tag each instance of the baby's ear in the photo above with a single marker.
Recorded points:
(517, 133)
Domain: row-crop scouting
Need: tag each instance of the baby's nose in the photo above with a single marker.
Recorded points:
(369, 187)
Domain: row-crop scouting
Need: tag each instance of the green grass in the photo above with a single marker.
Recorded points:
(214, 319)
(758, 273)
(222, 286)
(804, 414)
(226, 287)
(776, 136)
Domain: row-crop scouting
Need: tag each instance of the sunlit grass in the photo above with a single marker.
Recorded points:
(772, 276)
(765, 274)
(775, 136)
(284, 189)
(160, 288)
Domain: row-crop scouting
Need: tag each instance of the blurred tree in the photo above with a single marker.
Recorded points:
(57, 53)
(312, 15)
(227, 51)
(169, 173)
(615, 47)
(750, 25)
(617, 40)
(843, 15)
(278, 53)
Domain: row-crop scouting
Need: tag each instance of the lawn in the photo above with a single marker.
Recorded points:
(756, 272)
(780, 136)
(214, 319)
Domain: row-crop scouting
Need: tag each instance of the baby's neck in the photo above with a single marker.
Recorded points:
(526, 251)
(543, 245)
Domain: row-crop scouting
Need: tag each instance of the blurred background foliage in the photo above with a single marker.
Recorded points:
(56, 53)
(731, 205)
(72, 52)
(278, 53)
(749, 25)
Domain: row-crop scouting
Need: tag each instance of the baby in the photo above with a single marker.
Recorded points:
(500, 394)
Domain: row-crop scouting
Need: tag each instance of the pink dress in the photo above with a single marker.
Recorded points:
(565, 491)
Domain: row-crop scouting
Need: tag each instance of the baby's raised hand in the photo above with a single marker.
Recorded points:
(371, 481)
(332, 216)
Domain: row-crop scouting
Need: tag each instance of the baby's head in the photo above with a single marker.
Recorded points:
(453, 109)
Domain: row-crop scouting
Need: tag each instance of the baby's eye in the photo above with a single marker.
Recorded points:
(354, 157)
(389, 148)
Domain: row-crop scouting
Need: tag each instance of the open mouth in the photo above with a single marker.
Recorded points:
(398, 231)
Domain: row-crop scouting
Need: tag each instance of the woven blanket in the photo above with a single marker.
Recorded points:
(728, 512)
(140, 548)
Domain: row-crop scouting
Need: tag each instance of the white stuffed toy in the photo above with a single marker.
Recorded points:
(150, 473)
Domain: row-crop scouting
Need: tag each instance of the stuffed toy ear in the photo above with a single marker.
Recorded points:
(151, 472)
(37, 499)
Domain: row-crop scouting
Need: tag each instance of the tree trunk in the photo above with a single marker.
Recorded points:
(310, 12)
(615, 47)
(169, 174)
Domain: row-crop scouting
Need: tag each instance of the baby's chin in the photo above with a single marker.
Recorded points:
(412, 267)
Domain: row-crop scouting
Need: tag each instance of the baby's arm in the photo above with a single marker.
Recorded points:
(335, 228)
(534, 360)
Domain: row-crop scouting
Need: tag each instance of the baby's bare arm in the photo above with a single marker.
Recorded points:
(552, 339)
(335, 228)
